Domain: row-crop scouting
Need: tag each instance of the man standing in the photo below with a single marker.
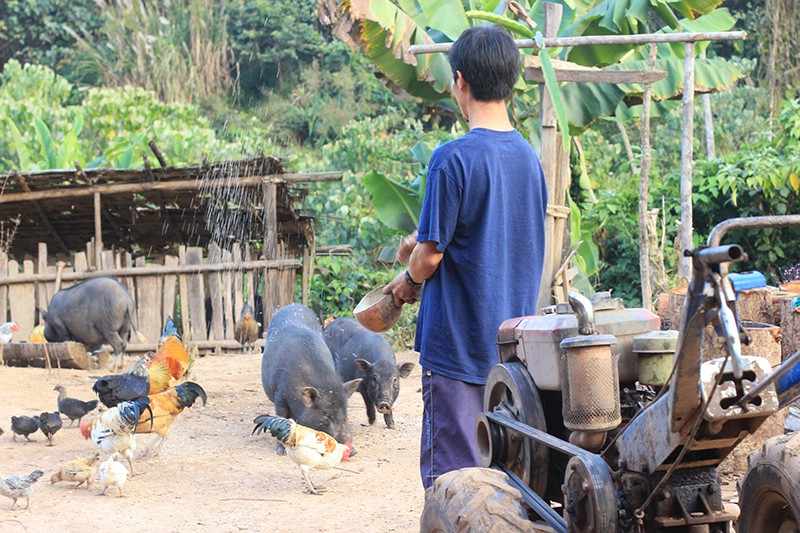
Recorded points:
(479, 249)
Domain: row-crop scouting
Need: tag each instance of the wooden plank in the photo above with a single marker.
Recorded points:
(238, 283)
(170, 282)
(173, 185)
(90, 255)
(250, 278)
(269, 295)
(197, 296)
(227, 296)
(148, 304)
(79, 262)
(3, 288)
(183, 286)
(790, 326)
(214, 283)
(61, 354)
(42, 298)
(23, 302)
(568, 71)
(107, 260)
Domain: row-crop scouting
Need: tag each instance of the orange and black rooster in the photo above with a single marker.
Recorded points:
(171, 361)
(246, 331)
(165, 406)
(133, 384)
(307, 448)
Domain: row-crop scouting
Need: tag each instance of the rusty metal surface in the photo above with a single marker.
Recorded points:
(723, 404)
(766, 222)
(648, 440)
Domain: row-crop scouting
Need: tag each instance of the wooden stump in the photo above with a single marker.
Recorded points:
(790, 324)
(72, 355)
(765, 341)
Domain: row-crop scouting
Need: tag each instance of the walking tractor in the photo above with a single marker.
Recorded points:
(603, 423)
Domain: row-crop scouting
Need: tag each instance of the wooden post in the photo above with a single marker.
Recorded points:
(550, 159)
(98, 231)
(270, 217)
(711, 149)
(687, 228)
(644, 189)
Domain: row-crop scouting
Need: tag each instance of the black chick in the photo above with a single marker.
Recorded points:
(126, 387)
(73, 408)
(23, 425)
(49, 423)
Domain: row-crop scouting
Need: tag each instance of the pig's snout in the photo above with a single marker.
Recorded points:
(384, 408)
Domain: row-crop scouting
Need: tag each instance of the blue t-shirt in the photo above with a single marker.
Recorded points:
(484, 206)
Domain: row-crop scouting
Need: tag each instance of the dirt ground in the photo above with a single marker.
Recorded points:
(212, 475)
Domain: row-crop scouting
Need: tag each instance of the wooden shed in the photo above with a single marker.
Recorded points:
(195, 242)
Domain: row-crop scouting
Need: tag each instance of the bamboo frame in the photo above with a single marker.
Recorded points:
(588, 40)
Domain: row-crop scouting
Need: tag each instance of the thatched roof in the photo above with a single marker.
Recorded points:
(153, 208)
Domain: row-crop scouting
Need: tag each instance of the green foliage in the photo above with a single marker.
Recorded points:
(40, 129)
(33, 31)
(341, 282)
(274, 41)
(753, 176)
(175, 48)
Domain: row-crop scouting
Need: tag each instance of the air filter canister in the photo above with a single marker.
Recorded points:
(591, 377)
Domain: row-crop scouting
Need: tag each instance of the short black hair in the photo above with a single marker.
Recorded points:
(488, 59)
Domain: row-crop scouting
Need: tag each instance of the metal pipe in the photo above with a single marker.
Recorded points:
(773, 221)
(584, 311)
(584, 40)
(769, 380)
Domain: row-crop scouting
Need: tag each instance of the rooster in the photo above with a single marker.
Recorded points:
(164, 407)
(133, 384)
(79, 470)
(49, 423)
(73, 408)
(172, 353)
(7, 331)
(16, 487)
(112, 431)
(307, 448)
(246, 331)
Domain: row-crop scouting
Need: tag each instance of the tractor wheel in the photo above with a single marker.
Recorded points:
(769, 492)
(473, 500)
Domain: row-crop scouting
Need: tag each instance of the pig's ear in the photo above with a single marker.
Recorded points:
(405, 369)
(310, 395)
(351, 386)
(364, 367)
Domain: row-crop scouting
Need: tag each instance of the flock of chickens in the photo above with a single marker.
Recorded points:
(145, 399)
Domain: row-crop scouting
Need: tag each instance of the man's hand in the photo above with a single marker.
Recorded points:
(402, 292)
(406, 247)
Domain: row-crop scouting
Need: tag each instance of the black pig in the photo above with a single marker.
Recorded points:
(358, 352)
(94, 312)
(298, 375)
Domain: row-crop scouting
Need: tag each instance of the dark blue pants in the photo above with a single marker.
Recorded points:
(448, 425)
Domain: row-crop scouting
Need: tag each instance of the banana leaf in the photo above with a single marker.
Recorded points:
(396, 205)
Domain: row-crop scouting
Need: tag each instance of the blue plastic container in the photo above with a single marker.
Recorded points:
(743, 281)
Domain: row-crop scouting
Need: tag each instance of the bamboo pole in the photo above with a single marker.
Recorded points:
(549, 156)
(98, 230)
(587, 40)
(687, 151)
(173, 185)
(644, 189)
(276, 264)
(711, 149)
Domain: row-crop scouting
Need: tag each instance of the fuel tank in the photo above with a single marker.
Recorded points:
(535, 340)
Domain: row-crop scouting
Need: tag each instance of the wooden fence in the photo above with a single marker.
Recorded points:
(202, 289)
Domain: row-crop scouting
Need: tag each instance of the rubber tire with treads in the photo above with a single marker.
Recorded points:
(769, 492)
(473, 500)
